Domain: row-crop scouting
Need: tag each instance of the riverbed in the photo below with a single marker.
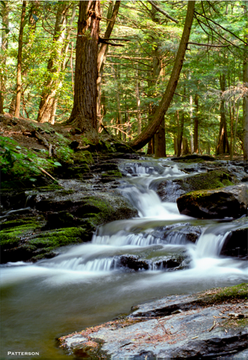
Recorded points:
(87, 285)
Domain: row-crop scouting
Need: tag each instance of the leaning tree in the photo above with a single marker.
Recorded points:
(158, 117)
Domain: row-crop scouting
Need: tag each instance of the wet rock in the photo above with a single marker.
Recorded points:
(231, 201)
(135, 263)
(236, 242)
(175, 327)
(182, 234)
(170, 190)
(194, 158)
(141, 167)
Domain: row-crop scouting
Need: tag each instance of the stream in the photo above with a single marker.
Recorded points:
(89, 284)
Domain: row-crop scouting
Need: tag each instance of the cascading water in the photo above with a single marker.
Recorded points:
(127, 262)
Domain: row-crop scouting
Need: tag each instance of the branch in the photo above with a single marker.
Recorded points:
(115, 39)
(222, 27)
(162, 11)
(103, 41)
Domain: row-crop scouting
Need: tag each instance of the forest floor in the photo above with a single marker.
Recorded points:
(33, 135)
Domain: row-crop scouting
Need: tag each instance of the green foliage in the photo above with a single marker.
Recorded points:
(145, 62)
(16, 163)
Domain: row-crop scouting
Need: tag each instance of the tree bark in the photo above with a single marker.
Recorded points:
(245, 99)
(46, 108)
(151, 129)
(137, 93)
(84, 112)
(4, 46)
(111, 16)
(180, 131)
(160, 144)
(19, 62)
(196, 125)
(223, 144)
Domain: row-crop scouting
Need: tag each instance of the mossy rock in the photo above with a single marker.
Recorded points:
(194, 158)
(205, 181)
(25, 246)
(210, 180)
(219, 295)
(13, 232)
(110, 175)
(83, 156)
(56, 238)
(217, 203)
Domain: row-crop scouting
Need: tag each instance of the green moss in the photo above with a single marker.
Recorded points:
(220, 295)
(57, 238)
(112, 173)
(100, 207)
(13, 232)
(83, 157)
(211, 180)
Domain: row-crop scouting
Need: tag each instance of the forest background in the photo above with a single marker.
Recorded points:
(138, 45)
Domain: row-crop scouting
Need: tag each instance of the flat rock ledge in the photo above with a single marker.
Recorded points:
(171, 328)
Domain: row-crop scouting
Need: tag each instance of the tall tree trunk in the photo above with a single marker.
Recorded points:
(223, 144)
(160, 144)
(137, 93)
(45, 113)
(84, 112)
(191, 123)
(119, 120)
(19, 62)
(152, 80)
(111, 16)
(196, 125)
(4, 46)
(245, 99)
(180, 130)
(151, 129)
(232, 114)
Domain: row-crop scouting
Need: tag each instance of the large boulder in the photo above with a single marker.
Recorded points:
(231, 201)
(236, 242)
(57, 217)
(170, 190)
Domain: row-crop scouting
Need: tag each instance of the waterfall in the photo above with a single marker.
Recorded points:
(210, 244)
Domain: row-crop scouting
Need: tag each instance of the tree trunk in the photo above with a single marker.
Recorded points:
(54, 66)
(137, 93)
(223, 144)
(19, 62)
(245, 99)
(84, 112)
(160, 144)
(185, 149)
(151, 129)
(119, 120)
(180, 131)
(4, 46)
(111, 16)
(196, 125)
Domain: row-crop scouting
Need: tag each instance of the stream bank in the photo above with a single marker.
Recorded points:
(210, 324)
(155, 252)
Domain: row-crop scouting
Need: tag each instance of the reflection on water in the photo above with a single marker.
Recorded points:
(85, 285)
